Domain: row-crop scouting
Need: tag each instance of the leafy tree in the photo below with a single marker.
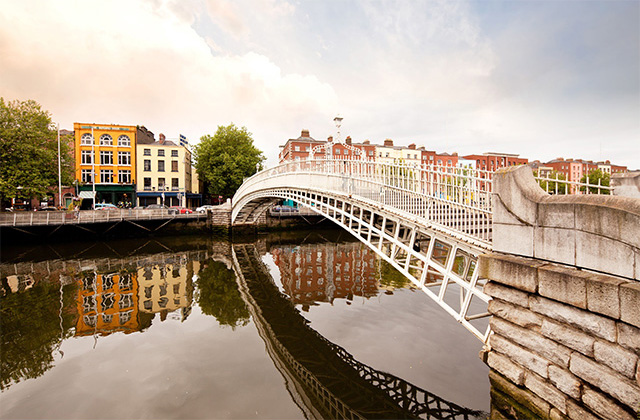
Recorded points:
(593, 178)
(552, 181)
(29, 151)
(226, 158)
(219, 295)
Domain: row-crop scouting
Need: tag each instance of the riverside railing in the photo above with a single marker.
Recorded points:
(45, 218)
(556, 185)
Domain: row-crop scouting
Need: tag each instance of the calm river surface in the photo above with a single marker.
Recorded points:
(282, 326)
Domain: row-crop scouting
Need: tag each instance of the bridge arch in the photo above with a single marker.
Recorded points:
(404, 214)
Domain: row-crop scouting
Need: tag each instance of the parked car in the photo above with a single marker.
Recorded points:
(48, 209)
(179, 210)
(156, 207)
(106, 206)
(203, 209)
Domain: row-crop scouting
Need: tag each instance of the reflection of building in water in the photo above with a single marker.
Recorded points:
(107, 303)
(17, 283)
(166, 287)
(323, 272)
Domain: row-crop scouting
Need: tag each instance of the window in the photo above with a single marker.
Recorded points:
(161, 166)
(146, 152)
(85, 175)
(106, 140)
(386, 154)
(147, 184)
(124, 140)
(174, 184)
(370, 152)
(174, 153)
(124, 158)
(296, 148)
(161, 184)
(439, 161)
(86, 139)
(124, 177)
(106, 176)
(160, 152)
(307, 148)
(147, 165)
(337, 151)
(174, 166)
(106, 158)
(86, 157)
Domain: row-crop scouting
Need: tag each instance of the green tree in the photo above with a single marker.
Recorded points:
(29, 151)
(219, 295)
(552, 183)
(595, 177)
(226, 158)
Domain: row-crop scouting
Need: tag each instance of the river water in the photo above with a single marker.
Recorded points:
(282, 326)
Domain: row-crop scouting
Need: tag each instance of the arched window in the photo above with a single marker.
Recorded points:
(86, 139)
(124, 140)
(106, 140)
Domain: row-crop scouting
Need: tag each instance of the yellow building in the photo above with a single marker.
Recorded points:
(106, 156)
(165, 174)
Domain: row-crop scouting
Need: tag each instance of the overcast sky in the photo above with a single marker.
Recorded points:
(542, 79)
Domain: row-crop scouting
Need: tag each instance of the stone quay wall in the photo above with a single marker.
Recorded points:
(565, 342)
(564, 281)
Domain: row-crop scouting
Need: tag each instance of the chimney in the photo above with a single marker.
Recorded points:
(305, 133)
(559, 158)
(388, 142)
(366, 142)
(330, 139)
(412, 146)
(162, 138)
(348, 140)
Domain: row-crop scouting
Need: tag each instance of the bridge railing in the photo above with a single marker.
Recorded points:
(556, 185)
(454, 198)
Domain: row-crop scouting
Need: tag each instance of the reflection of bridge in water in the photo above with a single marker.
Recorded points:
(323, 378)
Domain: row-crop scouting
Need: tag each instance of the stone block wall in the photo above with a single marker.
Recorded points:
(565, 342)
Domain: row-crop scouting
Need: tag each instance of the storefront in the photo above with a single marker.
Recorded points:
(121, 195)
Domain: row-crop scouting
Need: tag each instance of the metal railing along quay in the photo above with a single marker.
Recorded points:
(57, 218)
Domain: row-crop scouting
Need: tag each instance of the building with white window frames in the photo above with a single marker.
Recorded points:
(165, 175)
(106, 164)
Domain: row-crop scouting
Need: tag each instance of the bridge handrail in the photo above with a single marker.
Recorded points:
(464, 186)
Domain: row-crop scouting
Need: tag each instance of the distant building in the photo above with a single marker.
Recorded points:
(491, 161)
(165, 174)
(303, 146)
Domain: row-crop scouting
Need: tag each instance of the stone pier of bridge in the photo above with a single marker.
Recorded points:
(564, 277)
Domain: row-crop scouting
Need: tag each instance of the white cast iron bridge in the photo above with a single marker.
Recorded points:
(430, 222)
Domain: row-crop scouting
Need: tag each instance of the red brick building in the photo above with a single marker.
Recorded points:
(492, 161)
(300, 148)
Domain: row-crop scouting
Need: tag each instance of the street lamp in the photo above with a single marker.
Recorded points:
(338, 121)
(59, 169)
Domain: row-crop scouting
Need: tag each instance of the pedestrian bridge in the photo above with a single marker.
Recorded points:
(430, 222)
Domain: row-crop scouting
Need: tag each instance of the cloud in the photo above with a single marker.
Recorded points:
(139, 63)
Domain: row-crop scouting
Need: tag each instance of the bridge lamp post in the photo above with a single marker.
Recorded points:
(338, 121)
